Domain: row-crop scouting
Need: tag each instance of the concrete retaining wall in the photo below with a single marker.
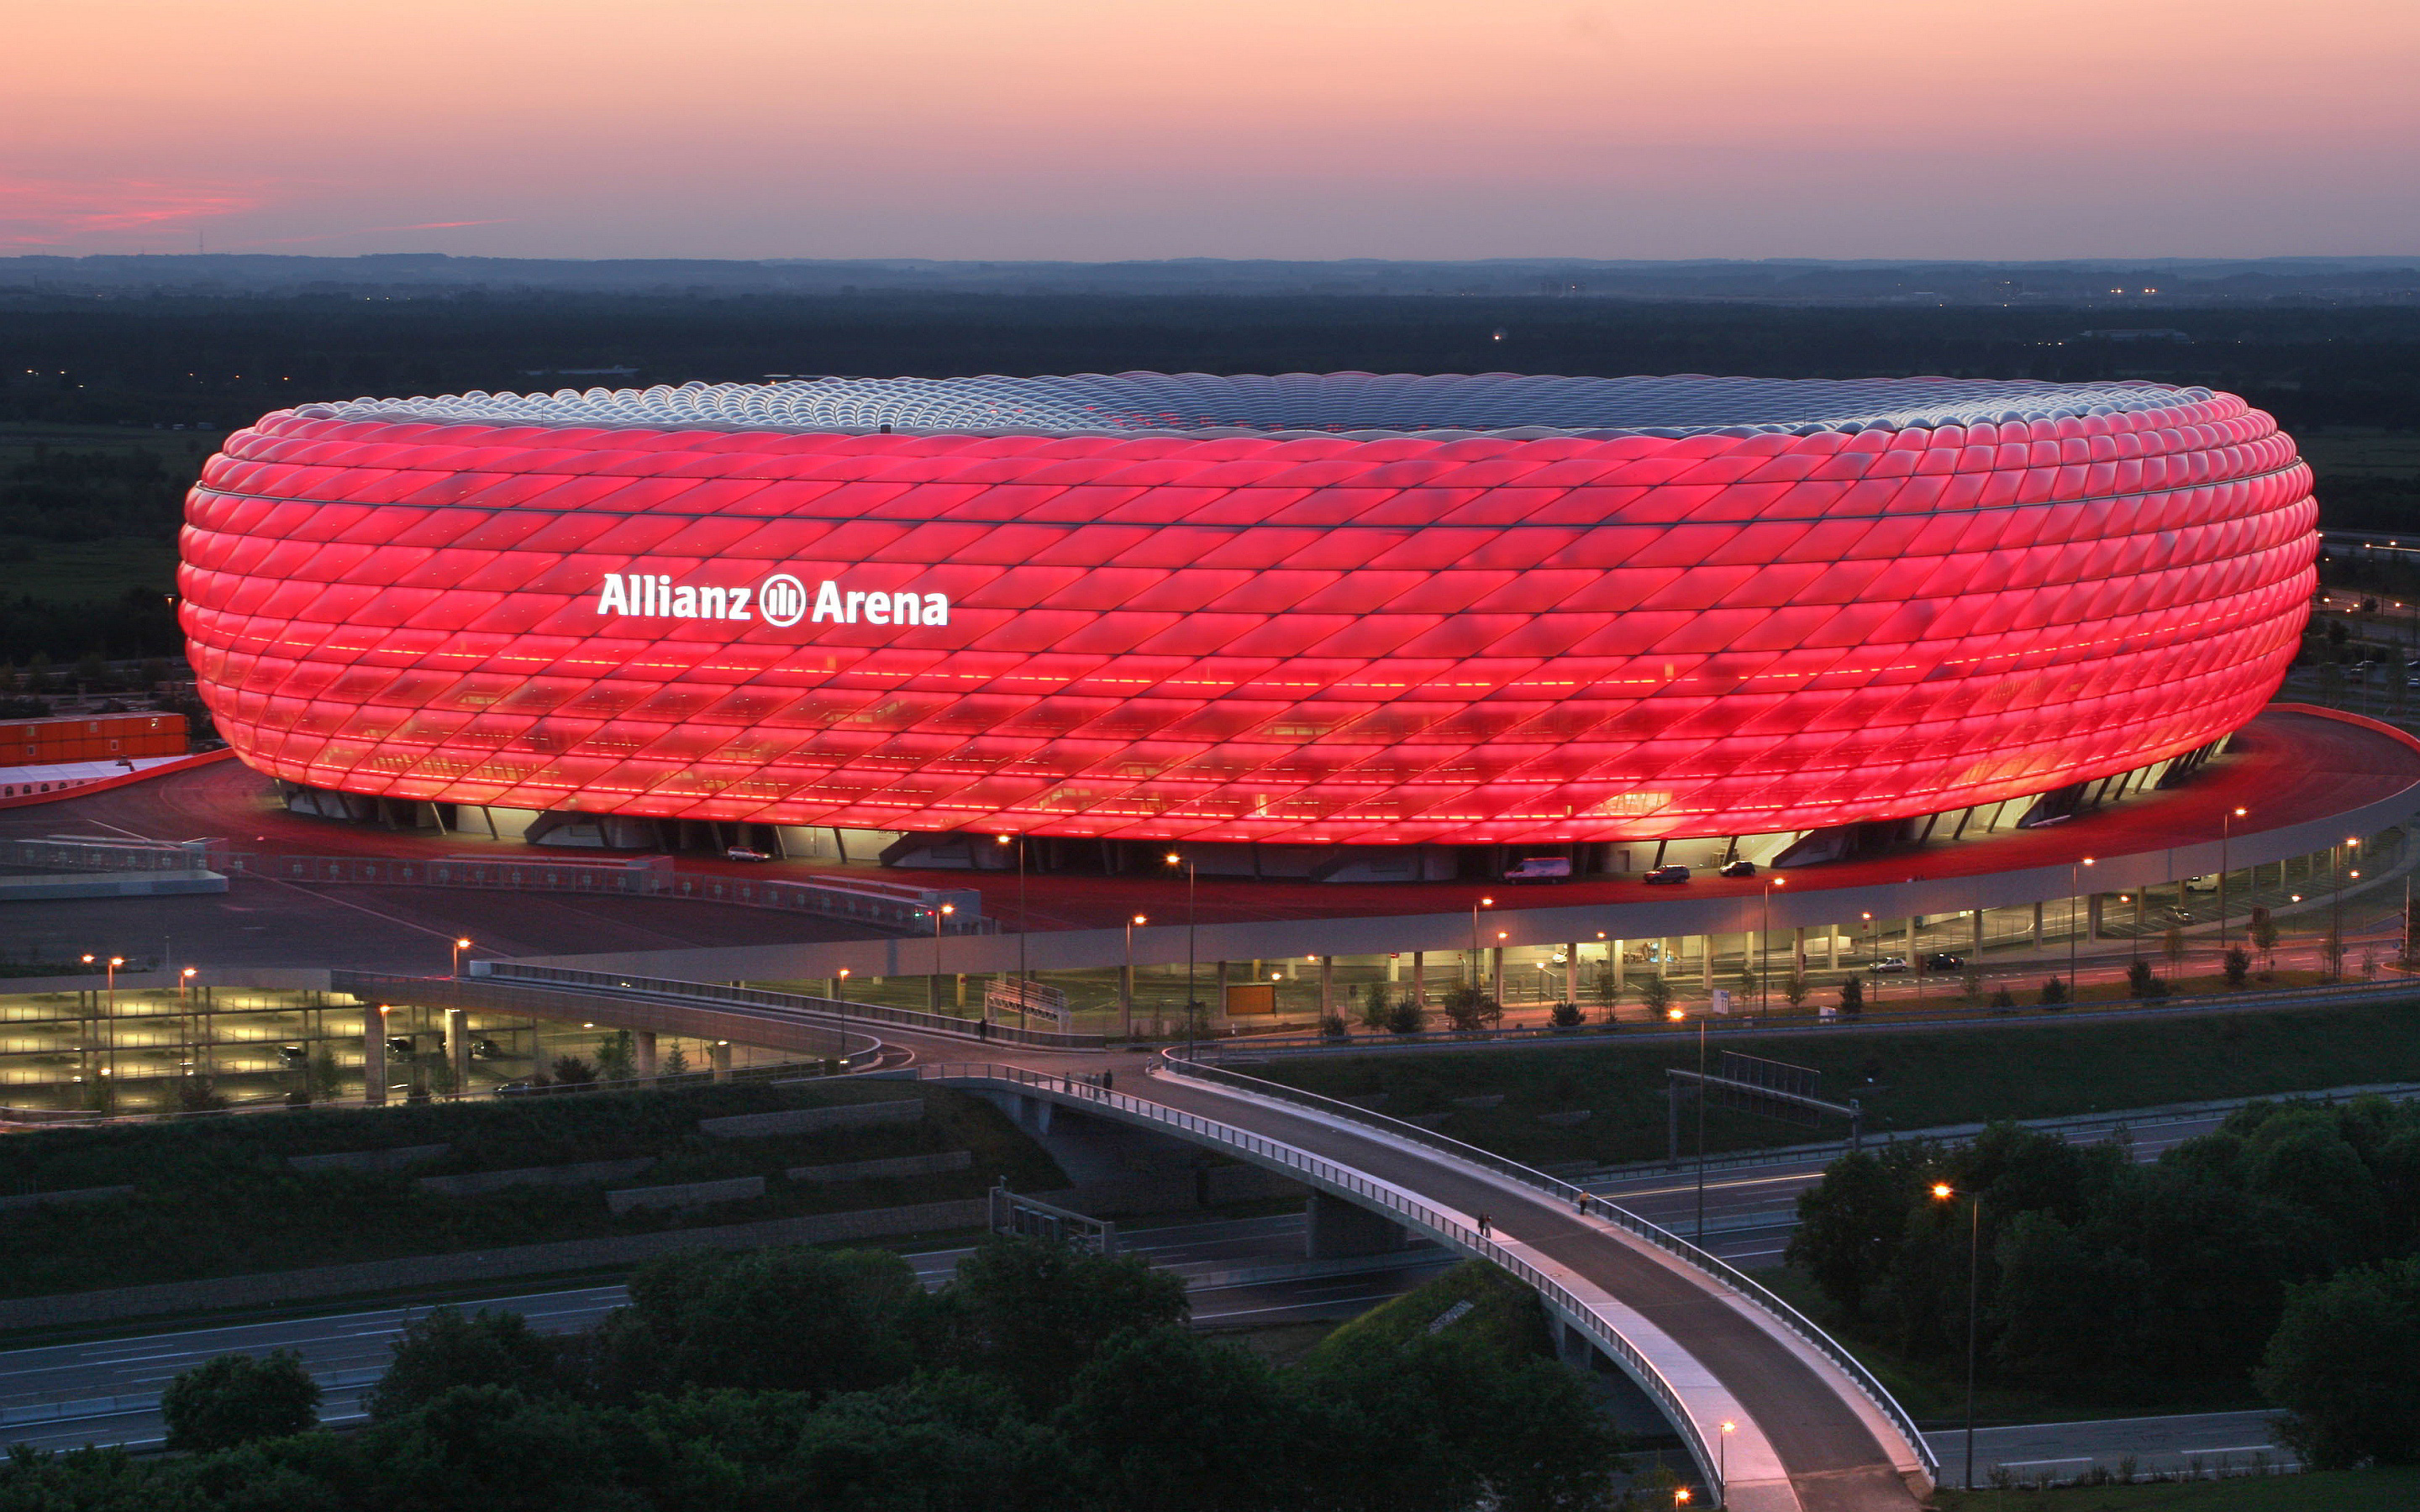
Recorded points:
(591, 1172)
(806, 1120)
(481, 1265)
(369, 1159)
(686, 1194)
(868, 1170)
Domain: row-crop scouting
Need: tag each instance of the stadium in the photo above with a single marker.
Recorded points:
(1347, 615)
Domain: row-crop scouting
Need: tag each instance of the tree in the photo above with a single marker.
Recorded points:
(1032, 1313)
(1848, 1225)
(675, 1061)
(1970, 986)
(1407, 1016)
(2237, 965)
(2053, 991)
(235, 1400)
(616, 1056)
(2344, 1365)
(2142, 982)
(1565, 1016)
(327, 1077)
(1853, 998)
(1167, 1419)
(1468, 1009)
(2003, 1000)
(1794, 989)
(1376, 1007)
(448, 1348)
(1655, 994)
(571, 1071)
(2173, 947)
(2264, 934)
(787, 1318)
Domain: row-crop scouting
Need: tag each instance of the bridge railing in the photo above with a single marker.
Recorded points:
(707, 994)
(1370, 1193)
(1582, 1199)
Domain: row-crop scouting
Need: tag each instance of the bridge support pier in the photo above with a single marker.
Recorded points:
(1333, 1227)
(457, 1048)
(718, 1058)
(643, 1053)
(373, 1054)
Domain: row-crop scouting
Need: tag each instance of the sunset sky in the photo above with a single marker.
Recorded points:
(1116, 128)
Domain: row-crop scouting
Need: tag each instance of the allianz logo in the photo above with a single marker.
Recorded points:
(781, 600)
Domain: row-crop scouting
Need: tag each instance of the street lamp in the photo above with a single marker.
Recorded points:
(2225, 822)
(459, 946)
(839, 985)
(1126, 983)
(1943, 1192)
(1475, 971)
(185, 1012)
(1764, 952)
(1192, 999)
(1723, 1462)
(1676, 1016)
(2074, 891)
(1023, 924)
(110, 1019)
(933, 997)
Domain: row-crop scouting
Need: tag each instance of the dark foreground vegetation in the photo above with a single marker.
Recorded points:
(2281, 1252)
(91, 469)
(792, 1379)
(217, 1196)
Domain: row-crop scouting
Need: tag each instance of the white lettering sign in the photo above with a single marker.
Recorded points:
(782, 600)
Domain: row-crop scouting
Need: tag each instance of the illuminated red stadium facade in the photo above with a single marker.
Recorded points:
(1315, 610)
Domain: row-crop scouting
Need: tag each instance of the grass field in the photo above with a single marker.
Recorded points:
(2394, 1490)
(2042, 1067)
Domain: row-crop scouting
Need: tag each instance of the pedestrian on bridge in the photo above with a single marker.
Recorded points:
(1485, 1229)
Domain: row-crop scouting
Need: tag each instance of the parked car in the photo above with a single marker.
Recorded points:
(1944, 961)
(293, 1054)
(486, 1049)
(399, 1044)
(742, 852)
(1667, 873)
(515, 1088)
(1737, 869)
(1889, 963)
(1541, 869)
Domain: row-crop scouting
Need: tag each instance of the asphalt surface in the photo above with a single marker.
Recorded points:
(106, 1392)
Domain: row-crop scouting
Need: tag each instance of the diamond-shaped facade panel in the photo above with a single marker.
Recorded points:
(1322, 609)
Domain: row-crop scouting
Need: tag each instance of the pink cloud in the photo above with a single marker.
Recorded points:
(373, 230)
(51, 212)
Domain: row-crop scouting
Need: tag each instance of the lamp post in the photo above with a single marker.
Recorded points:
(2226, 822)
(1943, 1192)
(1723, 1464)
(1677, 1015)
(1873, 950)
(933, 998)
(1764, 952)
(2074, 891)
(459, 946)
(109, 1019)
(2335, 925)
(1192, 1000)
(1475, 971)
(1023, 924)
(185, 1012)
(839, 985)
(1126, 983)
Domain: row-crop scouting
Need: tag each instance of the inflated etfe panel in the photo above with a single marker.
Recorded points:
(1317, 609)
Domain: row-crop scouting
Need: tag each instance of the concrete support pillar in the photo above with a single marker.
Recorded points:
(1327, 986)
(2092, 916)
(1333, 1228)
(718, 1058)
(2038, 926)
(1419, 977)
(1832, 941)
(1975, 947)
(1798, 951)
(1216, 1012)
(1394, 967)
(643, 1053)
(2138, 912)
(1706, 961)
(1908, 925)
(1495, 983)
(373, 1052)
(457, 1048)
(1571, 972)
(1620, 969)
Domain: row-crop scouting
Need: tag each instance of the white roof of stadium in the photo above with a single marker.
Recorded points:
(1351, 404)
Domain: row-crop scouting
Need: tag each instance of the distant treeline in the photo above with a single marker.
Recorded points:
(171, 358)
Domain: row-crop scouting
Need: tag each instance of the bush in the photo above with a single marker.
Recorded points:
(1565, 1016)
(235, 1400)
(1407, 1016)
(2003, 1000)
(2237, 964)
(2141, 982)
(1468, 1010)
(2053, 991)
(446, 1349)
(1853, 998)
(1376, 1007)
(1333, 1026)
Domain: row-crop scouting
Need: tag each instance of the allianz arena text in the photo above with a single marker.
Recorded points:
(1315, 609)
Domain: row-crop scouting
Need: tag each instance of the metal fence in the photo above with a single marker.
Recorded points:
(1663, 1239)
(710, 994)
(1363, 1191)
